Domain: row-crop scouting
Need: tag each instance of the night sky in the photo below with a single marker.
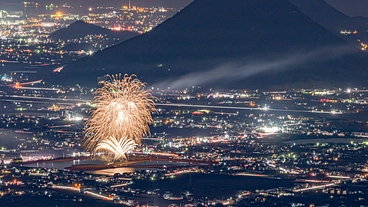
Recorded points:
(351, 7)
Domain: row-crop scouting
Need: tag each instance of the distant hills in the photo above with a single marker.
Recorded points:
(232, 44)
(81, 29)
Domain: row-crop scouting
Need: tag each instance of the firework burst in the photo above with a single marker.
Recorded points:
(118, 148)
(123, 111)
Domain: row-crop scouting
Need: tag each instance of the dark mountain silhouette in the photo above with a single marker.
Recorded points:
(237, 43)
(81, 29)
(334, 20)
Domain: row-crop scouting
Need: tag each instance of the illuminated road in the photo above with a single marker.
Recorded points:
(57, 70)
(165, 104)
(253, 175)
(40, 89)
(86, 192)
(338, 176)
(89, 193)
(314, 187)
(18, 85)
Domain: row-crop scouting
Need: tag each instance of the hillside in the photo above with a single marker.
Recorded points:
(80, 29)
(238, 43)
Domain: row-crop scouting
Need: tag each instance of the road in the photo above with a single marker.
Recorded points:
(25, 98)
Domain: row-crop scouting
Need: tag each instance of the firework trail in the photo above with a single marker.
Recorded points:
(123, 111)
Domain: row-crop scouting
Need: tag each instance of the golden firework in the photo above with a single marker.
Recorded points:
(123, 111)
(118, 148)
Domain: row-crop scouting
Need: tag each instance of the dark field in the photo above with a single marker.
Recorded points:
(211, 186)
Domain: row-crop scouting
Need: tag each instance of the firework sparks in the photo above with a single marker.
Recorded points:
(123, 110)
(117, 147)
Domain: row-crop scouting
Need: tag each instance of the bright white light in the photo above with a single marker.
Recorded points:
(265, 108)
(76, 118)
(336, 112)
(273, 129)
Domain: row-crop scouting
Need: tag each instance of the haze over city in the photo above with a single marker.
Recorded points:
(183, 103)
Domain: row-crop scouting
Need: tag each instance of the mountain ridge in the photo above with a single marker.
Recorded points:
(333, 19)
(204, 35)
